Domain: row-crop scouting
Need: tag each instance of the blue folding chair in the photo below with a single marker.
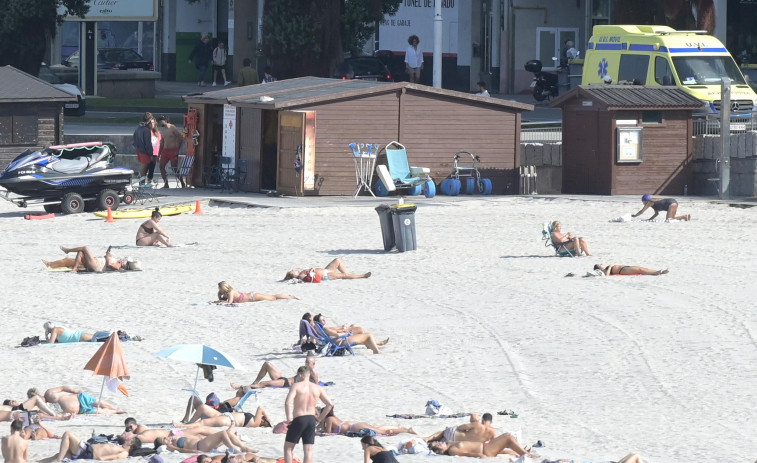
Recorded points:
(335, 346)
(243, 399)
(397, 173)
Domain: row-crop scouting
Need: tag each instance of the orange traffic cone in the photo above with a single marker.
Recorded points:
(198, 209)
(110, 216)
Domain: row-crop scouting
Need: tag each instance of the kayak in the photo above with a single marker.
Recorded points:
(146, 213)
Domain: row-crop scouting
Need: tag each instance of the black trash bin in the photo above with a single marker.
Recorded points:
(387, 226)
(403, 216)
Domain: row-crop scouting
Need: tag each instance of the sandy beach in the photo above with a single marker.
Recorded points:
(481, 318)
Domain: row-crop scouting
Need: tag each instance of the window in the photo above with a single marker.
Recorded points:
(550, 43)
(633, 68)
(663, 74)
(18, 130)
(600, 12)
(651, 117)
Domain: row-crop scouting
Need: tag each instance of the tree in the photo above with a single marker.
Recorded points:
(27, 26)
(310, 38)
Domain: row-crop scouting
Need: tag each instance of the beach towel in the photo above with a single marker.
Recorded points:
(413, 416)
(173, 246)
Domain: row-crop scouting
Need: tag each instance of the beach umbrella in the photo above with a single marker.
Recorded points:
(201, 355)
(109, 363)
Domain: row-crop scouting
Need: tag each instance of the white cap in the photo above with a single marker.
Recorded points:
(48, 326)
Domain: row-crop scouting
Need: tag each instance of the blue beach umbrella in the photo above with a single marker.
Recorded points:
(201, 355)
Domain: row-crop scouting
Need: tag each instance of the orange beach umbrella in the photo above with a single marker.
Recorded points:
(109, 363)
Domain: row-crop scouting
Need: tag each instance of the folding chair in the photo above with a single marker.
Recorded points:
(143, 192)
(309, 335)
(243, 399)
(240, 174)
(560, 249)
(334, 346)
(182, 170)
(397, 173)
(227, 174)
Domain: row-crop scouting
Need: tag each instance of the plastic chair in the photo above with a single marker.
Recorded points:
(560, 249)
(334, 346)
(402, 175)
(182, 170)
(227, 174)
(240, 174)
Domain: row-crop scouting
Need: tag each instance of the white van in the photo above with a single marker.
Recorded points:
(658, 55)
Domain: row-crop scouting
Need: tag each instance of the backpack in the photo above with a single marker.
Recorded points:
(30, 341)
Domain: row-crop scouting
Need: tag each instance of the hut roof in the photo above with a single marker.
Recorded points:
(303, 91)
(20, 87)
(632, 97)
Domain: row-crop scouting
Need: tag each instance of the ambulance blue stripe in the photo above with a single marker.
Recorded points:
(697, 50)
(610, 46)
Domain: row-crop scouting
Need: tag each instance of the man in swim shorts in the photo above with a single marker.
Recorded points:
(73, 448)
(15, 448)
(172, 139)
(475, 431)
(300, 414)
(77, 401)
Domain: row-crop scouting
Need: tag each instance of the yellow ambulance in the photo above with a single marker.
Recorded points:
(659, 55)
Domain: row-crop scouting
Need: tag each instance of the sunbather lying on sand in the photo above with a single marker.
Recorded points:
(189, 444)
(86, 259)
(33, 402)
(79, 402)
(73, 448)
(335, 270)
(38, 432)
(148, 435)
(277, 379)
(225, 419)
(61, 334)
(475, 431)
(333, 425)
(500, 444)
(236, 458)
(614, 269)
(228, 295)
(365, 339)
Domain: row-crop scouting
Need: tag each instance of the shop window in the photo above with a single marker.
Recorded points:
(633, 68)
(651, 117)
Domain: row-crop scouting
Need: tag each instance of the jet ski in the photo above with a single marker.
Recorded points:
(68, 176)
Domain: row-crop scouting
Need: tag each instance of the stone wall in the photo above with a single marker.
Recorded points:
(547, 159)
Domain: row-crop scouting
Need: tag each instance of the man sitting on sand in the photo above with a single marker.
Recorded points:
(277, 379)
(73, 448)
(15, 448)
(145, 434)
(475, 431)
(79, 402)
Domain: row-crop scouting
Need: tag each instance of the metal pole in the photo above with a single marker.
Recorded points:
(725, 139)
(102, 387)
(194, 388)
(438, 44)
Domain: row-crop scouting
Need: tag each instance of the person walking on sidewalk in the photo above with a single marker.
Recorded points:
(219, 64)
(201, 55)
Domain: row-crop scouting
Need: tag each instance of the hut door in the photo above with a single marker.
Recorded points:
(291, 141)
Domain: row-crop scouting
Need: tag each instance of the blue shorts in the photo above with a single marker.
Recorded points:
(85, 404)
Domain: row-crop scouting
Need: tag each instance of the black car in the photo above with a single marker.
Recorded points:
(363, 67)
(113, 58)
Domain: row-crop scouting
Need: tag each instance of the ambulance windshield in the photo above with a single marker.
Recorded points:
(707, 70)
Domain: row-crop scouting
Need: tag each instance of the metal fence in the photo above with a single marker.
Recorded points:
(541, 132)
(710, 125)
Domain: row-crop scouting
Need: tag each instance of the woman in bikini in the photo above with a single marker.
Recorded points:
(226, 419)
(568, 240)
(85, 258)
(333, 425)
(333, 271)
(150, 234)
(228, 295)
(364, 338)
(658, 205)
(481, 450)
(374, 452)
(628, 270)
(190, 444)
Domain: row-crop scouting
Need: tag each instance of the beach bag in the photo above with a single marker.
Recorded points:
(30, 341)
(362, 432)
(433, 407)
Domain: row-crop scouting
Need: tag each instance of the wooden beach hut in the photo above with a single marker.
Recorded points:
(31, 113)
(624, 139)
(318, 118)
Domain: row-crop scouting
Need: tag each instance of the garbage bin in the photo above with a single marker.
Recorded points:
(403, 216)
(387, 226)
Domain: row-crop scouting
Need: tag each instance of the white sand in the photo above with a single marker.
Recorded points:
(480, 318)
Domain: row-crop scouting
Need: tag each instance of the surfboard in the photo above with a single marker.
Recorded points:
(146, 213)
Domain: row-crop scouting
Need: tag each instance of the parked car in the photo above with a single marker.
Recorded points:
(113, 58)
(363, 67)
(70, 109)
